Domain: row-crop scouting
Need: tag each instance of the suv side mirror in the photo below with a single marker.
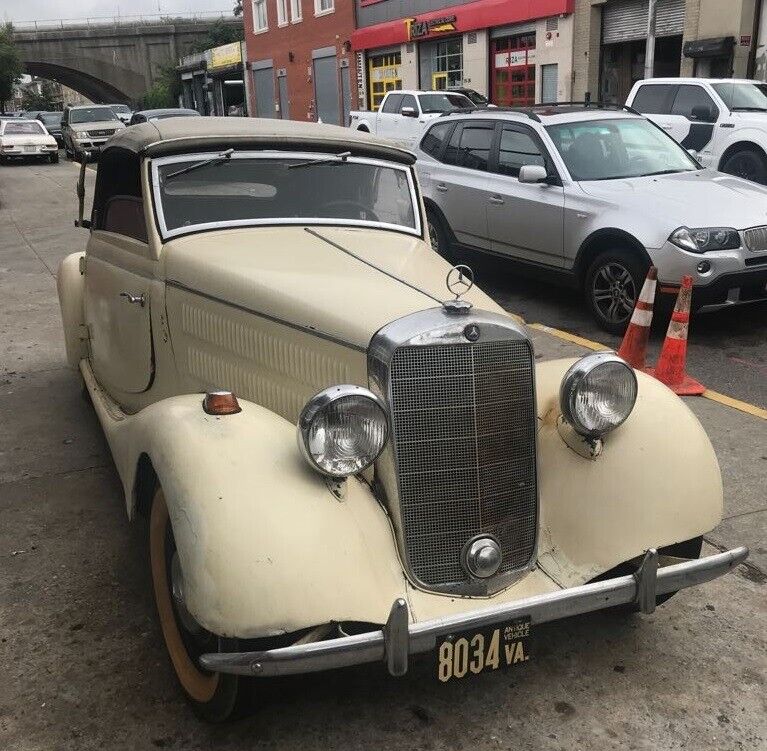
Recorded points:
(408, 112)
(533, 173)
(703, 113)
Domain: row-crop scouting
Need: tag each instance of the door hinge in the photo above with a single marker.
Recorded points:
(82, 333)
(82, 264)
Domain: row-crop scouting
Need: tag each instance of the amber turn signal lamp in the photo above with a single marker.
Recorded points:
(221, 403)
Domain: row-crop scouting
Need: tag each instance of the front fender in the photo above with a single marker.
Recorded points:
(264, 545)
(70, 284)
(657, 482)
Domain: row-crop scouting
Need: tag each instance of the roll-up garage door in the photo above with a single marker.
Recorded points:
(626, 20)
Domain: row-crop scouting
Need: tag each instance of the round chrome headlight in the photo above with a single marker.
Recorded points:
(342, 430)
(598, 393)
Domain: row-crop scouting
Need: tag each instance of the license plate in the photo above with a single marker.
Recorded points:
(473, 652)
(30, 148)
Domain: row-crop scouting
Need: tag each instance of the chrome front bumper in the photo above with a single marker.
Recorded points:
(399, 639)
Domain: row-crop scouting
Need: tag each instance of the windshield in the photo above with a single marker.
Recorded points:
(615, 149)
(92, 115)
(51, 118)
(743, 96)
(251, 189)
(431, 103)
(23, 129)
(124, 108)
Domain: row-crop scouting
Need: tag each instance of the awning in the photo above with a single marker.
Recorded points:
(715, 47)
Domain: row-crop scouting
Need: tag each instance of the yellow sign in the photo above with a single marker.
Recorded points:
(443, 25)
(225, 55)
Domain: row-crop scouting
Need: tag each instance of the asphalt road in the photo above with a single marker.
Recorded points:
(81, 656)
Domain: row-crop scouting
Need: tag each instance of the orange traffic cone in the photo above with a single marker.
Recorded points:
(634, 345)
(670, 368)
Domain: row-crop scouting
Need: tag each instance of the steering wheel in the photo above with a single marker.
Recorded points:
(340, 210)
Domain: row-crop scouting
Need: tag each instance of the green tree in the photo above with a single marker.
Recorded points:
(219, 33)
(166, 89)
(45, 100)
(11, 67)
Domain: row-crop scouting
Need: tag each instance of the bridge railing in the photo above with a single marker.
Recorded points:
(52, 24)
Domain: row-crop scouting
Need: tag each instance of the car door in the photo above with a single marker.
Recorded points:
(525, 221)
(694, 107)
(410, 127)
(389, 116)
(459, 182)
(655, 102)
(65, 135)
(118, 296)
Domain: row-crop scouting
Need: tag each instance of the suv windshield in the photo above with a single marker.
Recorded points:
(50, 118)
(431, 103)
(124, 108)
(23, 129)
(249, 189)
(743, 96)
(91, 115)
(619, 148)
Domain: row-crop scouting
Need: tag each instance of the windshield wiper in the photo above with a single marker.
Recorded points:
(337, 159)
(222, 157)
(666, 172)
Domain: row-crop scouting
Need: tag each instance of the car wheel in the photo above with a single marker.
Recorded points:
(214, 697)
(748, 164)
(438, 235)
(612, 286)
(54, 157)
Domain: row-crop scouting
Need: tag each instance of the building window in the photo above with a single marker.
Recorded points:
(513, 60)
(295, 11)
(259, 15)
(282, 12)
(385, 76)
(323, 6)
(449, 65)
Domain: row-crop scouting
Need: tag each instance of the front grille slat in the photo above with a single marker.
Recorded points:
(463, 427)
(756, 238)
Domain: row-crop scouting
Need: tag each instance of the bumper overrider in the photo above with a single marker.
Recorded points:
(398, 639)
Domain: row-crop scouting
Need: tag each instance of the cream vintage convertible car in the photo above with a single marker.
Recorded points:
(343, 457)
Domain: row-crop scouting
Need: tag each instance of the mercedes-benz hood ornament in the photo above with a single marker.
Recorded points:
(459, 280)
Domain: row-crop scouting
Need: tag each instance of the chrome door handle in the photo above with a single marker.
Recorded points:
(442, 188)
(135, 299)
(497, 200)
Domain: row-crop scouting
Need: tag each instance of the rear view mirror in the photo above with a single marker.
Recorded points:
(703, 113)
(533, 173)
(408, 112)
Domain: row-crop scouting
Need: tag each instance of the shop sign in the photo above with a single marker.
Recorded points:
(745, 40)
(225, 55)
(514, 58)
(416, 29)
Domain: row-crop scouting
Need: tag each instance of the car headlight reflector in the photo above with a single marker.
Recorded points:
(704, 239)
(342, 430)
(598, 393)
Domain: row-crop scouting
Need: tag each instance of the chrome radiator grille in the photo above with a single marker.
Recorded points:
(756, 238)
(463, 424)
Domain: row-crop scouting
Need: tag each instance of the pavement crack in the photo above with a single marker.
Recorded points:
(60, 473)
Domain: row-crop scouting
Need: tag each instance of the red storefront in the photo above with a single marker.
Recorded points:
(488, 45)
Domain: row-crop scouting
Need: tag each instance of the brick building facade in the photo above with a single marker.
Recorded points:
(299, 63)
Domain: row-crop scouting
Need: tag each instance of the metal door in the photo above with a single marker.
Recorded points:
(626, 20)
(282, 85)
(549, 81)
(326, 89)
(263, 82)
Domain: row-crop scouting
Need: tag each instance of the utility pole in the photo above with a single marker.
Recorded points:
(649, 55)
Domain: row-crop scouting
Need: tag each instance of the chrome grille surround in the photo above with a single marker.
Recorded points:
(462, 457)
(756, 238)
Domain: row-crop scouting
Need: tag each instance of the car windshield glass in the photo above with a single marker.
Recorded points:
(92, 115)
(619, 148)
(51, 118)
(120, 108)
(431, 103)
(23, 129)
(743, 96)
(264, 190)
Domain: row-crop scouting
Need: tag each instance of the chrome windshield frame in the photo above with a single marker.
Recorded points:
(308, 156)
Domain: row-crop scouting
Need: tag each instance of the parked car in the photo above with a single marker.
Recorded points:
(26, 139)
(160, 114)
(52, 123)
(593, 196)
(123, 111)
(403, 114)
(723, 120)
(448, 492)
(86, 128)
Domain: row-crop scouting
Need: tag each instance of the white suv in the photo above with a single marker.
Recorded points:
(723, 120)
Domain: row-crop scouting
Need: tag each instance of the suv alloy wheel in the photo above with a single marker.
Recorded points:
(748, 164)
(612, 286)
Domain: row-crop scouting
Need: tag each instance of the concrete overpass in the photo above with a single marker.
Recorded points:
(109, 62)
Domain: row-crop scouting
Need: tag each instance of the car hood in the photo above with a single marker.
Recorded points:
(27, 139)
(705, 198)
(288, 274)
(98, 125)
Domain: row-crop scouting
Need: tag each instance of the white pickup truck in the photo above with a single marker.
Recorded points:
(403, 115)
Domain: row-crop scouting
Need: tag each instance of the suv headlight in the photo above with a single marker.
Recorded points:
(704, 239)
(342, 430)
(598, 393)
